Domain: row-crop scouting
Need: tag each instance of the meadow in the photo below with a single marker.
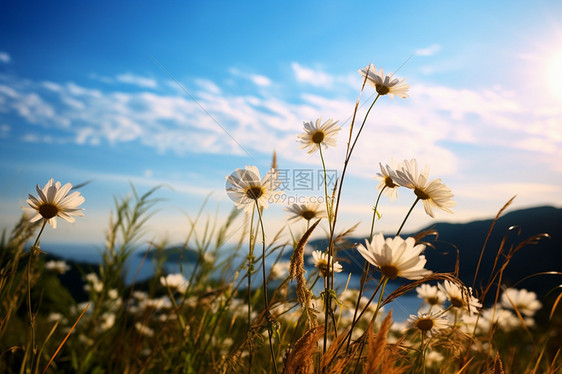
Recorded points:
(252, 310)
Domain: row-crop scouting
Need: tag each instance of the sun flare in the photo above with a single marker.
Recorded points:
(554, 75)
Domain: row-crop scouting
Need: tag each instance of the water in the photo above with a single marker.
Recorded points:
(90, 253)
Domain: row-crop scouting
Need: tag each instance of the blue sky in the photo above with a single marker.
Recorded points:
(153, 93)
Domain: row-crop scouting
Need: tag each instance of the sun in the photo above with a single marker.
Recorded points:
(554, 75)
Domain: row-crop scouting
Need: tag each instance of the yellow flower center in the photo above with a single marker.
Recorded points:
(318, 137)
(308, 214)
(324, 268)
(424, 324)
(422, 195)
(456, 302)
(254, 193)
(389, 271)
(48, 210)
(381, 89)
(389, 183)
(433, 300)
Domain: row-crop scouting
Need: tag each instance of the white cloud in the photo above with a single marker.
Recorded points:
(257, 79)
(137, 80)
(260, 80)
(310, 76)
(5, 58)
(207, 85)
(428, 126)
(428, 51)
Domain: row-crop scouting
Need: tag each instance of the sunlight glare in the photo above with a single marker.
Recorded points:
(554, 75)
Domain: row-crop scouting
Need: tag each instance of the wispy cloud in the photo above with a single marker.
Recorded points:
(428, 126)
(137, 80)
(428, 51)
(5, 58)
(311, 76)
(257, 79)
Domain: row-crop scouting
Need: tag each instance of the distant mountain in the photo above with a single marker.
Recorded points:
(469, 238)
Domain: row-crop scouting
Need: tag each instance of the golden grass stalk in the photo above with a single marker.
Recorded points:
(498, 366)
(65, 338)
(296, 271)
(506, 205)
(331, 354)
(300, 358)
(376, 345)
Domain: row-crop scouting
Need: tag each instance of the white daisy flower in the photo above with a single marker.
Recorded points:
(460, 297)
(246, 187)
(58, 266)
(500, 318)
(175, 282)
(395, 257)
(524, 301)
(431, 294)
(429, 323)
(385, 84)
(316, 135)
(386, 178)
(433, 194)
(53, 202)
(306, 211)
(323, 261)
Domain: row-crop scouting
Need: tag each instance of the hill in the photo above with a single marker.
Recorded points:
(469, 239)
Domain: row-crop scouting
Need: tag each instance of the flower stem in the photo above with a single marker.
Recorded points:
(330, 275)
(265, 297)
(407, 215)
(250, 270)
(365, 267)
(33, 252)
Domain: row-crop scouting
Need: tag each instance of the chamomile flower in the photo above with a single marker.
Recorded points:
(323, 261)
(385, 84)
(395, 257)
(460, 297)
(524, 301)
(433, 194)
(245, 187)
(428, 323)
(58, 266)
(175, 282)
(53, 202)
(306, 211)
(431, 294)
(386, 178)
(317, 134)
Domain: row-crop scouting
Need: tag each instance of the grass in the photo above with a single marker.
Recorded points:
(231, 314)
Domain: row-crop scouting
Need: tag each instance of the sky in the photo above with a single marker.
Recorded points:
(180, 94)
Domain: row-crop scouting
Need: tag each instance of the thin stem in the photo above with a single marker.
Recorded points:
(265, 297)
(328, 302)
(375, 214)
(250, 270)
(365, 266)
(407, 215)
(382, 281)
(33, 252)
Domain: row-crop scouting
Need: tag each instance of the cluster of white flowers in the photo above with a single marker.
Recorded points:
(58, 266)
(175, 282)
